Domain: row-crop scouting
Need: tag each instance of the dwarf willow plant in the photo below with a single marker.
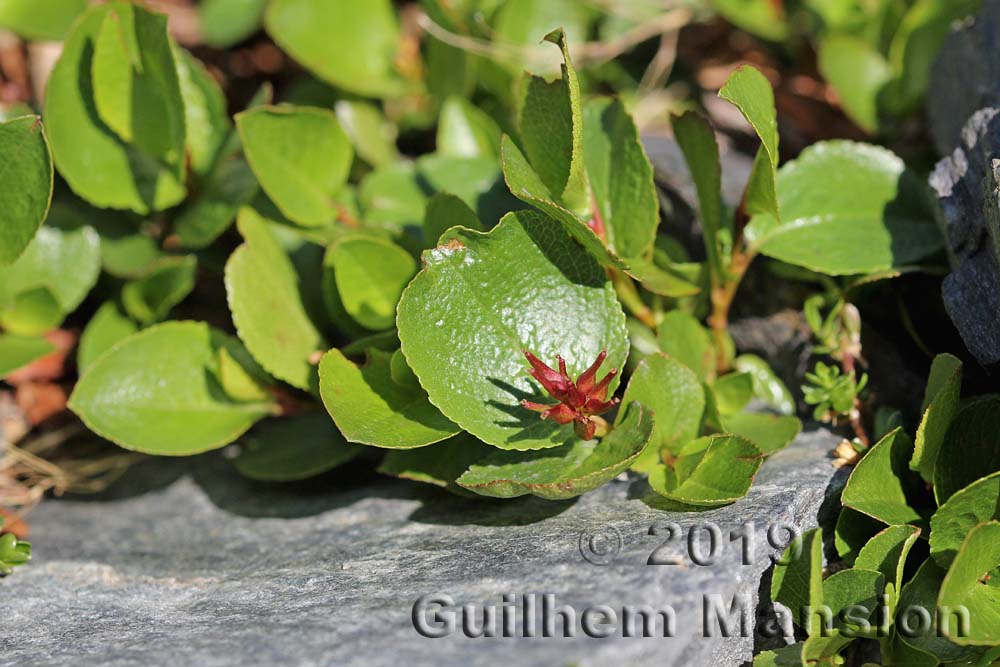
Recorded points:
(468, 313)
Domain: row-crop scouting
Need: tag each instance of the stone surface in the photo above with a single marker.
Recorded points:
(965, 76)
(968, 186)
(185, 563)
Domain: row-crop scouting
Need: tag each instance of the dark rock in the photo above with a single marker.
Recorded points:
(965, 76)
(208, 569)
(967, 185)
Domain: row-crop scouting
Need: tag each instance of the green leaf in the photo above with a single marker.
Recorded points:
(977, 503)
(439, 465)
(230, 187)
(797, 581)
(19, 351)
(445, 211)
(370, 274)
(156, 392)
(289, 449)
(764, 18)
(887, 552)
(108, 326)
(373, 137)
(391, 196)
(752, 94)
(939, 409)
(327, 37)
(300, 156)
(567, 471)
(33, 20)
(550, 119)
(526, 22)
(206, 118)
(879, 483)
(226, 22)
(267, 307)
(851, 592)
(732, 392)
(621, 178)
(25, 184)
(767, 386)
(464, 130)
(853, 531)
(98, 165)
(128, 248)
(858, 72)
(847, 208)
(137, 92)
(682, 337)
(665, 282)
(477, 181)
(771, 433)
(965, 586)
(696, 139)
(151, 298)
(675, 395)
(372, 407)
(32, 313)
(712, 471)
(969, 451)
(63, 258)
(466, 318)
(526, 185)
(921, 592)
(786, 656)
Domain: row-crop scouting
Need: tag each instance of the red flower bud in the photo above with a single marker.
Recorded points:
(579, 402)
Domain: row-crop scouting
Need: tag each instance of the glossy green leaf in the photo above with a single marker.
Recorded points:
(970, 450)
(476, 180)
(732, 392)
(226, 22)
(771, 433)
(852, 596)
(797, 582)
(137, 92)
(765, 18)
(98, 165)
(525, 23)
(230, 187)
(660, 281)
(921, 592)
(128, 245)
(786, 656)
(206, 119)
(48, 20)
(439, 465)
(752, 94)
(621, 178)
(151, 298)
(156, 392)
(466, 131)
(965, 585)
(327, 37)
(709, 472)
(32, 313)
(373, 137)
(684, 338)
(767, 386)
(977, 503)
(675, 395)
(372, 407)
(858, 72)
(567, 471)
(25, 184)
(266, 302)
(392, 196)
(887, 552)
(108, 326)
(879, 483)
(847, 208)
(853, 531)
(939, 409)
(63, 258)
(370, 274)
(550, 119)
(300, 156)
(696, 139)
(445, 211)
(289, 449)
(466, 318)
(19, 351)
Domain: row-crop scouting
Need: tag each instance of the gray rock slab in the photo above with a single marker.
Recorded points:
(187, 564)
(968, 186)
